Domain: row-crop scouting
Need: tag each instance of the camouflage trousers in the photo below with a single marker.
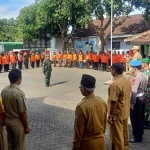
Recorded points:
(47, 78)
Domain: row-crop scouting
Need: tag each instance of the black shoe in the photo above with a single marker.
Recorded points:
(133, 140)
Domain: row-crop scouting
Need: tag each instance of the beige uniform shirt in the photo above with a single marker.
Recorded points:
(137, 56)
(13, 101)
(119, 91)
(90, 124)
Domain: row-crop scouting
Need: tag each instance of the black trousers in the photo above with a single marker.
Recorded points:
(37, 63)
(96, 65)
(104, 66)
(42, 60)
(100, 62)
(26, 63)
(32, 64)
(20, 65)
(87, 64)
(6, 67)
(1, 67)
(137, 117)
(75, 62)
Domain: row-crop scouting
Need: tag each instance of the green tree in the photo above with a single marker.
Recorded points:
(121, 10)
(27, 23)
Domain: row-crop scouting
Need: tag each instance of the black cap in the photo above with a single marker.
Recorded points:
(118, 67)
(88, 81)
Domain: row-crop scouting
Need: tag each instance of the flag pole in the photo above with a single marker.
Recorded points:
(111, 31)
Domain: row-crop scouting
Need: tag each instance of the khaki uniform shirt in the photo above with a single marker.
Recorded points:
(139, 83)
(137, 56)
(13, 100)
(90, 124)
(119, 91)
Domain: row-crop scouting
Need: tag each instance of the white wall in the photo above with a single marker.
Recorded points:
(123, 45)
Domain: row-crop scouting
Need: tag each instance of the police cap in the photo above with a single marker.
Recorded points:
(135, 63)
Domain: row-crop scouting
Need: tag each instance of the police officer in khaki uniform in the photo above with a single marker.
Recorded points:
(90, 118)
(119, 108)
(3, 141)
(127, 58)
(137, 55)
(13, 99)
(138, 101)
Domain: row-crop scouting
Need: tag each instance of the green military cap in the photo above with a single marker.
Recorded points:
(145, 60)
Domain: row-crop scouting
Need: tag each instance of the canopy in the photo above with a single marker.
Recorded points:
(11, 45)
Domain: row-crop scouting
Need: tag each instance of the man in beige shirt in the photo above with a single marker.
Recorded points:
(137, 55)
(119, 108)
(13, 99)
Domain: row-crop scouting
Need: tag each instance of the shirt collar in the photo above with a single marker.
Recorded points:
(89, 96)
(14, 85)
(120, 75)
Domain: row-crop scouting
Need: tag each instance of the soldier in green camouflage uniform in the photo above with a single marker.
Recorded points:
(146, 71)
(47, 69)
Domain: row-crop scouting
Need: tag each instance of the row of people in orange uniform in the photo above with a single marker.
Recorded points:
(89, 59)
(14, 59)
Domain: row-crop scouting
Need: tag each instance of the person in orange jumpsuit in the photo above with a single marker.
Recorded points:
(70, 59)
(123, 60)
(65, 59)
(5, 62)
(32, 60)
(104, 61)
(60, 58)
(87, 58)
(80, 59)
(1, 62)
(118, 57)
(13, 60)
(96, 60)
(75, 59)
(42, 56)
(90, 118)
(37, 59)
(100, 58)
(54, 58)
(8, 58)
(114, 58)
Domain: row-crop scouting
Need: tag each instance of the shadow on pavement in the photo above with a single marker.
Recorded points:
(59, 83)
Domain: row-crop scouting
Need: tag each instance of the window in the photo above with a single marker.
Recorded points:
(116, 45)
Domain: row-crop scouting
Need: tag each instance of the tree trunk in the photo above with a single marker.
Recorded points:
(102, 44)
(63, 41)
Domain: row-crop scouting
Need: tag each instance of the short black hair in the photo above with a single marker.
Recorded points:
(14, 75)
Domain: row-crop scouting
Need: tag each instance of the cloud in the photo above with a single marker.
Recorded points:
(11, 8)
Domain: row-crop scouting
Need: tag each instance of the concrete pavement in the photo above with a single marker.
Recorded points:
(51, 109)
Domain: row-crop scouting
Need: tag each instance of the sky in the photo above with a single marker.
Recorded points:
(11, 8)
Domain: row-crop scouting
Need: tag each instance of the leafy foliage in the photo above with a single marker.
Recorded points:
(9, 30)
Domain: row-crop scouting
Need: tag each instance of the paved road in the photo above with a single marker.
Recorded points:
(51, 109)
